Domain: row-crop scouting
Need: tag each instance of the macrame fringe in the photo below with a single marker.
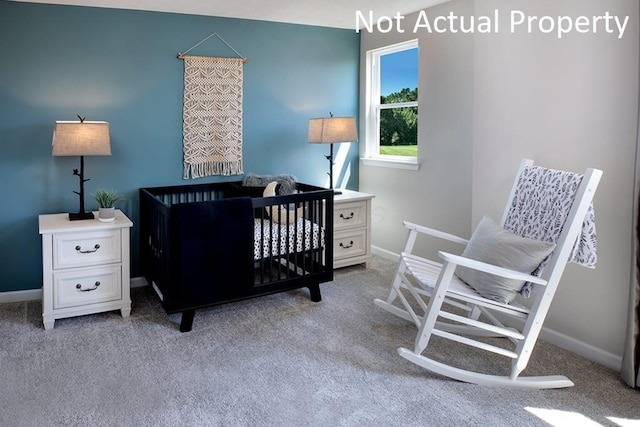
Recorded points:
(201, 170)
(212, 116)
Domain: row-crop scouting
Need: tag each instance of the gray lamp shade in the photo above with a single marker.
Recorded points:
(81, 139)
(329, 130)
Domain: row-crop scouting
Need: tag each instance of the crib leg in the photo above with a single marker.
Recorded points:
(187, 320)
(314, 290)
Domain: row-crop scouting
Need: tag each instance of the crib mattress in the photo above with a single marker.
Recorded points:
(272, 239)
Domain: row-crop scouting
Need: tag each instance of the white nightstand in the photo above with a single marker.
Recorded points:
(85, 266)
(351, 228)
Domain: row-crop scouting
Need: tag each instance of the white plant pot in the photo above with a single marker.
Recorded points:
(106, 214)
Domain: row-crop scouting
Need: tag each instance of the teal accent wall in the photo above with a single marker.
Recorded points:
(120, 66)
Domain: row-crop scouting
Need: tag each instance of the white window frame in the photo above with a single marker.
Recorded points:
(372, 154)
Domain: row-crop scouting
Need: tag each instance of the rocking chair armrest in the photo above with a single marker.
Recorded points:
(435, 233)
(490, 268)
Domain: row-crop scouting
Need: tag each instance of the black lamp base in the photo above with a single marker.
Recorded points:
(330, 173)
(80, 216)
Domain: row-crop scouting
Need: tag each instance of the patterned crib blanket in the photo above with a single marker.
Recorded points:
(272, 239)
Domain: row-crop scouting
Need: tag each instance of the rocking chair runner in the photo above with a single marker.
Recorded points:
(545, 207)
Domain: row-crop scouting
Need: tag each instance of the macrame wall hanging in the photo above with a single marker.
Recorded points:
(212, 114)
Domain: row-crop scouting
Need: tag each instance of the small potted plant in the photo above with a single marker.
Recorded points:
(106, 202)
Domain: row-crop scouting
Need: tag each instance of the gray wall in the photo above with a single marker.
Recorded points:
(568, 104)
(442, 185)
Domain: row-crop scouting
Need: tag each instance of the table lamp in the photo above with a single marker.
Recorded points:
(330, 130)
(80, 138)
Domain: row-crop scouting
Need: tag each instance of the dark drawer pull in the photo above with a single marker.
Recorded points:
(90, 251)
(343, 246)
(347, 217)
(79, 287)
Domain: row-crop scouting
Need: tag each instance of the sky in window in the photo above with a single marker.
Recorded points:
(398, 70)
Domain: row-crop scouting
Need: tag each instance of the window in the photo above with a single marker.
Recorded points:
(392, 105)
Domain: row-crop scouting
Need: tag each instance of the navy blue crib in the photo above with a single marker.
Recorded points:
(208, 244)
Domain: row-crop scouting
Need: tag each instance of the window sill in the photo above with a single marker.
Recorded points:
(406, 164)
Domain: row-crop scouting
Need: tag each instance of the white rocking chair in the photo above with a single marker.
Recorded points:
(429, 294)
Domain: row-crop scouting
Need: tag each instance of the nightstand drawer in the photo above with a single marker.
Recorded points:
(349, 244)
(84, 249)
(79, 287)
(349, 215)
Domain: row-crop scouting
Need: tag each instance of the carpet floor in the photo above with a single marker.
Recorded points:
(279, 360)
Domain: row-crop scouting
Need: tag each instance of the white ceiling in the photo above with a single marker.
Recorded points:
(325, 13)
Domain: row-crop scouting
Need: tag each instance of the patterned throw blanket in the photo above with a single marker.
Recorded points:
(212, 116)
(544, 196)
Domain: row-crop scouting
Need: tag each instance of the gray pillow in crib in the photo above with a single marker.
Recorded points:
(287, 182)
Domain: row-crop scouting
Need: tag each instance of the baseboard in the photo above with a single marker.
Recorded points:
(36, 294)
(138, 282)
(583, 349)
(566, 342)
(20, 296)
(391, 256)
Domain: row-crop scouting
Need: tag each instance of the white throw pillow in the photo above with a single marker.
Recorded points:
(492, 244)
